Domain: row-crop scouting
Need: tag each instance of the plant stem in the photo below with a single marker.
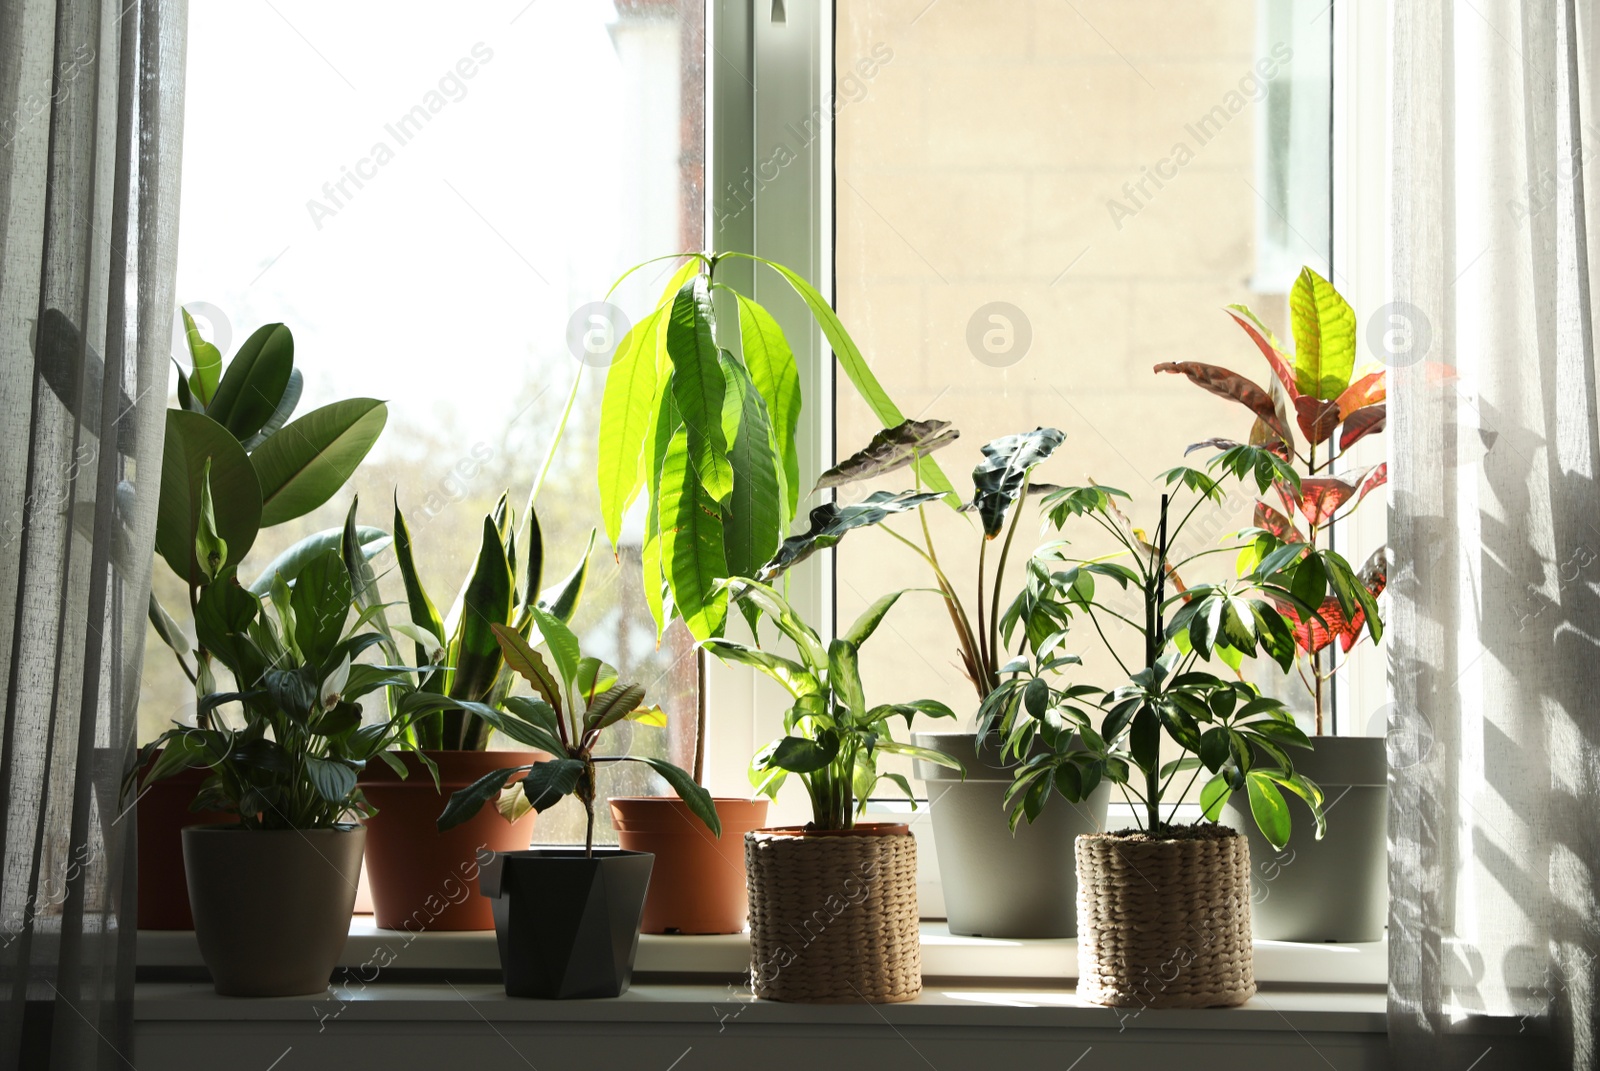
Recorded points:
(983, 632)
(999, 575)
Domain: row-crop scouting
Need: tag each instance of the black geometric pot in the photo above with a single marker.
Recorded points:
(567, 924)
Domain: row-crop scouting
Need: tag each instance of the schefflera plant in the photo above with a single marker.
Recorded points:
(700, 417)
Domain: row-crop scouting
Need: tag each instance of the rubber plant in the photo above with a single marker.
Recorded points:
(1318, 392)
(575, 702)
(1092, 733)
(1002, 479)
(699, 416)
(233, 456)
(832, 737)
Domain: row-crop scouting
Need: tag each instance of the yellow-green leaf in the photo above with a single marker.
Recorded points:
(1324, 337)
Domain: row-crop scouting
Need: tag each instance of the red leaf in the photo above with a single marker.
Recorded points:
(1317, 418)
(1321, 497)
(1361, 423)
(1276, 523)
(1275, 357)
(1376, 477)
(1370, 389)
(1231, 385)
(1313, 635)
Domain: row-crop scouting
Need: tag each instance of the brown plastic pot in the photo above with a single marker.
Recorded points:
(162, 812)
(423, 879)
(272, 907)
(698, 884)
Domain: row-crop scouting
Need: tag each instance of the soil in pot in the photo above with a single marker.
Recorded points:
(423, 879)
(272, 908)
(567, 924)
(698, 882)
(996, 883)
(1164, 922)
(162, 812)
(833, 915)
(1336, 888)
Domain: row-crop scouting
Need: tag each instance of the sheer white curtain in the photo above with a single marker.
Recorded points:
(1495, 742)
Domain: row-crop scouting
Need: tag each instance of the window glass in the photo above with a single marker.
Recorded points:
(427, 194)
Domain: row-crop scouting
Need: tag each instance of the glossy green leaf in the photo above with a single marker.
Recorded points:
(334, 781)
(692, 794)
(466, 802)
(794, 677)
(321, 602)
(1324, 337)
(890, 450)
(254, 381)
(998, 479)
(772, 368)
(1268, 807)
(206, 360)
(548, 783)
(281, 412)
(871, 618)
(374, 541)
(844, 677)
(754, 522)
(1213, 794)
(485, 602)
(692, 543)
(699, 386)
(612, 705)
(305, 463)
(193, 441)
(797, 754)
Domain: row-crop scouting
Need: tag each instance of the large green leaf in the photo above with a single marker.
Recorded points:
(548, 783)
(772, 369)
(1268, 807)
(699, 387)
(890, 450)
(206, 359)
(374, 541)
(696, 797)
(868, 622)
(254, 381)
(794, 677)
(830, 522)
(692, 549)
(466, 802)
(776, 607)
(191, 440)
(998, 478)
(222, 619)
(321, 602)
(1324, 337)
(283, 411)
(625, 415)
(486, 601)
(562, 599)
(306, 462)
(423, 613)
(754, 522)
(844, 678)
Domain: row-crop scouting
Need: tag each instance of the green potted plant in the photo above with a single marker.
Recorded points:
(233, 416)
(273, 889)
(833, 904)
(1319, 393)
(994, 885)
(699, 415)
(1164, 908)
(567, 920)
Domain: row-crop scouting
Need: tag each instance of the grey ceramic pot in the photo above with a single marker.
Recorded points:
(1333, 889)
(272, 908)
(996, 884)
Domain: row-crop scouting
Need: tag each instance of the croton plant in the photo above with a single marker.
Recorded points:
(1314, 407)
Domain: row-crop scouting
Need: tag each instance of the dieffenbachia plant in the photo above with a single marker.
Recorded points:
(1331, 403)
(699, 416)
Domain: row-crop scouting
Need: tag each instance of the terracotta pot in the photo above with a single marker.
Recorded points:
(833, 915)
(272, 908)
(162, 813)
(698, 884)
(422, 879)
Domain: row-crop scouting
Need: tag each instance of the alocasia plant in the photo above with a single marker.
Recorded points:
(1319, 392)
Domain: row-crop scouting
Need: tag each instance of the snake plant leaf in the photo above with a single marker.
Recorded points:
(830, 522)
(373, 541)
(692, 543)
(363, 580)
(755, 521)
(625, 416)
(485, 602)
(890, 450)
(206, 359)
(194, 441)
(696, 798)
(860, 375)
(254, 381)
(773, 371)
(1324, 337)
(280, 415)
(534, 573)
(305, 463)
(699, 387)
(321, 602)
(423, 613)
(561, 600)
(998, 479)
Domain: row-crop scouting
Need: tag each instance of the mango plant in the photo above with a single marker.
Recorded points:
(1317, 392)
(700, 417)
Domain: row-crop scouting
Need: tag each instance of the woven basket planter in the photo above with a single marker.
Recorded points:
(1165, 923)
(833, 916)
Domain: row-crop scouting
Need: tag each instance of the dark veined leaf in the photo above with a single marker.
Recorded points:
(466, 802)
(562, 643)
(305, 463)
(772, 368)
(830, 522)
(1226, 384)
(548, 783)
(692, 794)
(1007, 461)
(334, 781)
(254, 381)
(195, 443)
(1324, 337)
(612, 705)
(890, 450)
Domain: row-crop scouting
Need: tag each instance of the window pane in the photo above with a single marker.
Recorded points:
(426, 194)
(1038, 202)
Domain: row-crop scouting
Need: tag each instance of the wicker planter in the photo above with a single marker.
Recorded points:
(1165, 923)
(833, 915)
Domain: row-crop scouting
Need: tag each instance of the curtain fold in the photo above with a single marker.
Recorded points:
(1495, 523)
(91, 109)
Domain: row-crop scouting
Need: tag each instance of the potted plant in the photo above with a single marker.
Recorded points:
(410, 861)
(1334, 406)
(1164, 908)
(567, 920)
(272, 890)
(699, 416)
(833, 904)
(234, 416)
(995, 885)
